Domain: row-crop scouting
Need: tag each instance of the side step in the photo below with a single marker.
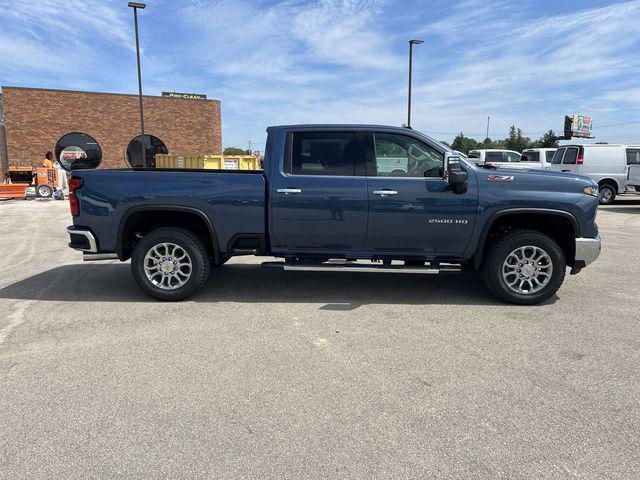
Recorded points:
(356, 267)
(94, 257)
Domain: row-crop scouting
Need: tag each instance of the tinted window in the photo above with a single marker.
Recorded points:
(78, 151)
(150, 145)
(633, 156)
(571, 156)
(530, 156)
(511, 156)
(320, 153)
(402, 156)
(474, 154)
(557, 157)
(549, 154)
(494, 157)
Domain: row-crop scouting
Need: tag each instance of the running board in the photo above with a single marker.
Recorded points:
(354, 267)
(92, 257)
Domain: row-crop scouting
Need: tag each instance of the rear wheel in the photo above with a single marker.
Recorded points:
(524, 267)
(606, 194)
(170, 264)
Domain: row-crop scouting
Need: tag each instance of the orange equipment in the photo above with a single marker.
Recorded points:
(19, 179)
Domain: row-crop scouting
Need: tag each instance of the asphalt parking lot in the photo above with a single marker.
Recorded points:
(298, 375)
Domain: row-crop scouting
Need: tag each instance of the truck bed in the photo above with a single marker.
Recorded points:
(234, 201)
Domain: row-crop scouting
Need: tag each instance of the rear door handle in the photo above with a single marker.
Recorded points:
(566, 171)
(384, 193)
(289, 191)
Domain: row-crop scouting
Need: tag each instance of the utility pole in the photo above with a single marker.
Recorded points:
(411, 44)
(136, 6)
(488, 119)
(249, 147)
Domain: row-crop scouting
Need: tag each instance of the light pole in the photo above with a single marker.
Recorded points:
(411, 44)
(136, 6)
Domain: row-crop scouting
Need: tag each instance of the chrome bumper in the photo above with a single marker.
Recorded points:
(587, 251)
(89, 240)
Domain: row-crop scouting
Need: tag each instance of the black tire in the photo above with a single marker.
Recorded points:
(497, 254)
(186, 240)
(606, 194)
(44, 191)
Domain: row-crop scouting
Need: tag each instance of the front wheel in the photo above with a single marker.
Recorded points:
(524, 267)
(170, 264)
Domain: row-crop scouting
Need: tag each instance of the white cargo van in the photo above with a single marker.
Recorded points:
(500, 159)
(633, 163)
(542, 156)
(612, 166)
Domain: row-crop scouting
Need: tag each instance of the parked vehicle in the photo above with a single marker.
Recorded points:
(633, 164)
(327, 201)
(613, 167)
(542, 156)
(500, 159)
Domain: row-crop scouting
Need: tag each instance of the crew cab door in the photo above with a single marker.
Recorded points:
(318, 194)
(412, 209)
(633, 162)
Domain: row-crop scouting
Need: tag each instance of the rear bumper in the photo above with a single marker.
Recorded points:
(82, 239)
(587, 251)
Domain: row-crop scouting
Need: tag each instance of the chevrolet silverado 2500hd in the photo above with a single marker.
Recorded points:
(354, 198)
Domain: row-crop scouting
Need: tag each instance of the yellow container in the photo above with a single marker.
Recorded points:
(231, 162)
(209, 162)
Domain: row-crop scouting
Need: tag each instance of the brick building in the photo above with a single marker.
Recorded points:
(101, 129)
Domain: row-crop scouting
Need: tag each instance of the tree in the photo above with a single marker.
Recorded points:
(548, 140)
(464, 144)
(235, 151)
(517, 141)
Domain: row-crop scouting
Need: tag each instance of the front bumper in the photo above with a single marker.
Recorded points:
(587, 251)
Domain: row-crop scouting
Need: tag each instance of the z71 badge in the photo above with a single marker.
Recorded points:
(500, 178)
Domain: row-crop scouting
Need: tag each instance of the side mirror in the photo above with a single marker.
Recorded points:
(455, 175)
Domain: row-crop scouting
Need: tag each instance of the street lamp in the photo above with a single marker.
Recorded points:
(411, 44)
(136, 6)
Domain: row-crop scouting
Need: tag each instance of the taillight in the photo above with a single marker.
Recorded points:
(74, 184)
(580, 159)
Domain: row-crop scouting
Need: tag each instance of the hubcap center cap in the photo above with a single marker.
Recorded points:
(528, 270)
(167, 267)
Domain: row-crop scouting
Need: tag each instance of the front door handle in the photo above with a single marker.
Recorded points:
(289, 191)
(384, 193)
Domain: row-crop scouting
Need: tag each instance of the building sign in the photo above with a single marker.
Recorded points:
(197, 96)
(581, 126)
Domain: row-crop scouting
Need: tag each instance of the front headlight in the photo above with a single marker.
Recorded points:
(593, 191)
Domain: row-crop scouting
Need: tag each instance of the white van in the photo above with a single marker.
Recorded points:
(633, 163)
(542, 156)
(612, 166)
(500, 159)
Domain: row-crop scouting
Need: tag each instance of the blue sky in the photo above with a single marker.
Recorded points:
(273, 62)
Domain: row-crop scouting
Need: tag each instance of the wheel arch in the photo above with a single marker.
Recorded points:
(159, 216)
(612, 181)
(564, 228)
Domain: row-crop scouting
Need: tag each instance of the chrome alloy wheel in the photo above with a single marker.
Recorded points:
(527, 270)
(167, 266)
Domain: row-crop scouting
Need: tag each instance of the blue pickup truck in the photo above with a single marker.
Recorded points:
(352, 198)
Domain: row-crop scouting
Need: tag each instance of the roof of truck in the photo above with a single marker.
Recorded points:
(344, 125)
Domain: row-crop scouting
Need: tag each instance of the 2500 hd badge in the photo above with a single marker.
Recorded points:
(459, 221)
